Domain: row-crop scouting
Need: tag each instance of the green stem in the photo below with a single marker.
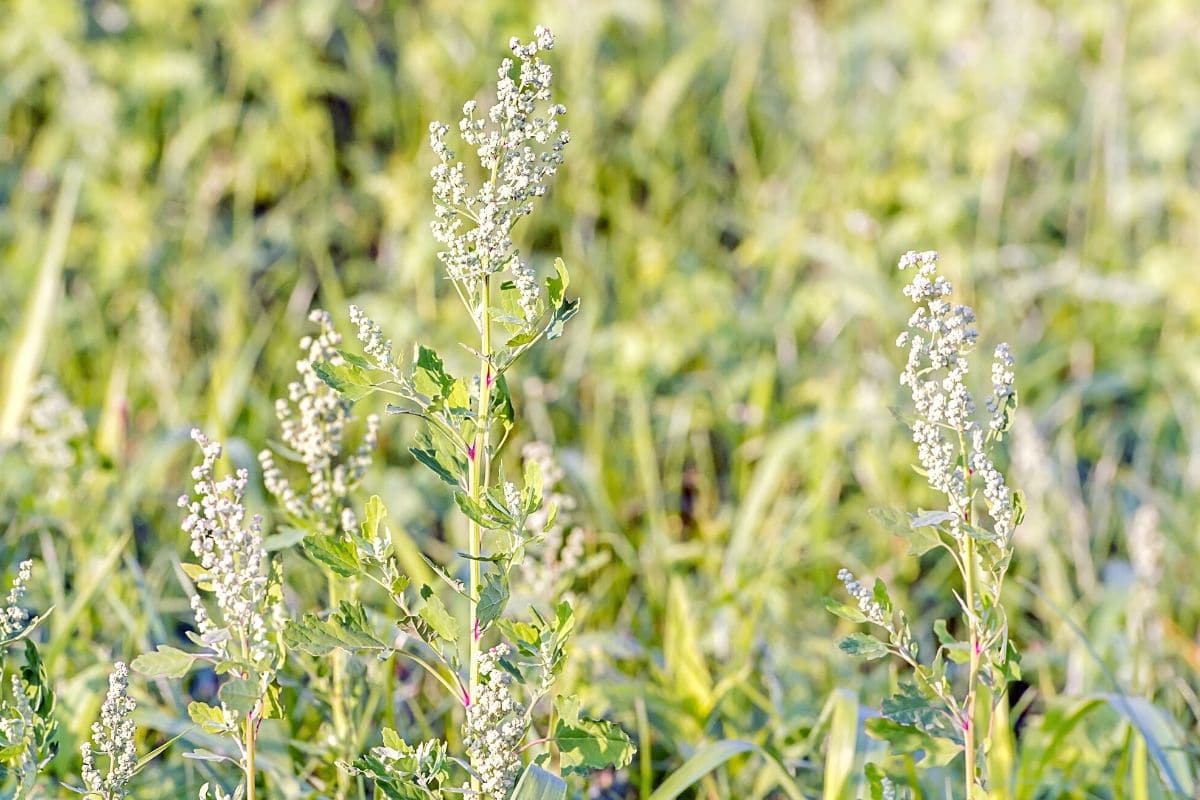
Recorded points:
(969, 743)
(478, 478)
(337, 699)
(249, 737)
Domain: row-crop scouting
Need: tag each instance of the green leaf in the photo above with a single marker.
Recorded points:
(429, 374)
(435, 615)
(880, 594)
(474, 511)
(863, 645)
(240, 694)
(538, 784)
(562, 313)
(210, 718)
(442, 464)
(373, 514)
(909, 706)
(501, 402)
(849, 613)
(930, 519)
(590, 744)
(958, 652)
(492, 598)
(841, 744)
(347, 629)
(532, 495)
(920, 539)
(165, 661)
(910, 740)
(557, 285)
(284, 537)
(712, 756)
(335, 552)
(349, 380)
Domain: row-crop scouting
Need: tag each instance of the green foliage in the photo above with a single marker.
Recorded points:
(181, 183)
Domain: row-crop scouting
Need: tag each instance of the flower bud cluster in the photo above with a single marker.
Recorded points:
(494, 728)
(112, 736)
(229, 548)
(312, 421)
(377, 347)
(561, 549)
(54, 423)
(519, 146)
(20, 727)
(13, 617)
(1002, 387)
(866, 601)
(940, 337)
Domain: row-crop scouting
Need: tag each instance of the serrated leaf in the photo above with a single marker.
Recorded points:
(435, 615)
(910, 707)
(429, 374)
(348, 380)
(211, 719)
(863, 645)
(346, 629)
(492, 598)
(165, 661)
(333, 551)
(590, 744)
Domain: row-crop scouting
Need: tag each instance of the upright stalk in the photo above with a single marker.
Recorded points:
(248, 737)
(337, 699)
(478, 477)
(969, 704)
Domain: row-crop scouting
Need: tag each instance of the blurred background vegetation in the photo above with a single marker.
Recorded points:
(181, 181)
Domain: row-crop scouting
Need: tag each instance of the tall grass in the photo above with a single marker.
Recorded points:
(742, 177)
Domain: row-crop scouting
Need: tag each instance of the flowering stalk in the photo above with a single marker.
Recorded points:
(955, 455)
(466, 425)
(238, 633)
(112, 737)
(314, 421)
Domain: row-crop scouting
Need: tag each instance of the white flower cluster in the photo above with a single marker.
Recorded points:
(560, 552)
(866, 601)
(312, 421)
(519, 146)
(13, 617)
(940, 337)
(229, 549)
(112, 736)
(54, 423)
(374, 343)
(494, 728)
(1002, 386)
(20, 727)
(996, 494)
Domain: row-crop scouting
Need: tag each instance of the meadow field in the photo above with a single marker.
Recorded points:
(599, 512)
